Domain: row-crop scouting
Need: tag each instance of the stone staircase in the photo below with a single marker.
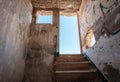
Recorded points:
(74, 68)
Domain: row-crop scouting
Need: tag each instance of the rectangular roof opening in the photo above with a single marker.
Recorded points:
(43, 19)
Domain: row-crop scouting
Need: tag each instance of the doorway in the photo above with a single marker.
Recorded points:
(69, 35)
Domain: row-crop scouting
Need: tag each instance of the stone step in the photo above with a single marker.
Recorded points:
(70, 58)
(69, 54)
(64, 66)
(75, 81)
(83, 75)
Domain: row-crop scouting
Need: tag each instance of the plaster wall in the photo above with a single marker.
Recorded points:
(102, 16)
(15, 18)
(41, 50)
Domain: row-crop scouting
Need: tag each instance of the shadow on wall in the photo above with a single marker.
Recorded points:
(111, 73)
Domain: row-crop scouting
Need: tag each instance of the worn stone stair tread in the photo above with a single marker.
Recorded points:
(62, 66)
(76, 81)
(77, 71)
(69, 55)
(70, 58)
(71, 62)
(76, 75)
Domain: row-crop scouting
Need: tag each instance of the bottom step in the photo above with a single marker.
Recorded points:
(94, 80)
(76, 75)
(75, 81)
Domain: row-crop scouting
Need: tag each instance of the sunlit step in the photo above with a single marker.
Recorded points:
(70, 58)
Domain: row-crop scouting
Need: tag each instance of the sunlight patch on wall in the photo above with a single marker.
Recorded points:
(90, 38)
(93, 40)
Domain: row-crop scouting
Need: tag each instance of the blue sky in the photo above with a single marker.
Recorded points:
(69, 36)
(44, 19)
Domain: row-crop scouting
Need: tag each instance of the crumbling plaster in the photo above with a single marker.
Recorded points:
(105, 54)
(100, 15)
(40, 53)
(15, 18)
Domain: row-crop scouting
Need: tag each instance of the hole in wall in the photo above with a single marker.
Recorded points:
(90, 38)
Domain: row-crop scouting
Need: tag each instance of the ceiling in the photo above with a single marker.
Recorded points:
(65, 6)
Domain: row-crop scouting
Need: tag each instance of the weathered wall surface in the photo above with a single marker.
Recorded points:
(40, 53)
(106, 55)
(15, 18)
(99, 14)
(103, 17)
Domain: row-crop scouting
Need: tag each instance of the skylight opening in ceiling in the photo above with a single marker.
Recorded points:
(44, 19)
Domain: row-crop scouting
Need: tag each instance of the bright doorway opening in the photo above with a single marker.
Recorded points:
(69, 35)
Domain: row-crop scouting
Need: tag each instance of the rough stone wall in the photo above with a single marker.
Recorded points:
(103, 17)
(40, 53)
(100, 13)
(15, 18)
(106, 55)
